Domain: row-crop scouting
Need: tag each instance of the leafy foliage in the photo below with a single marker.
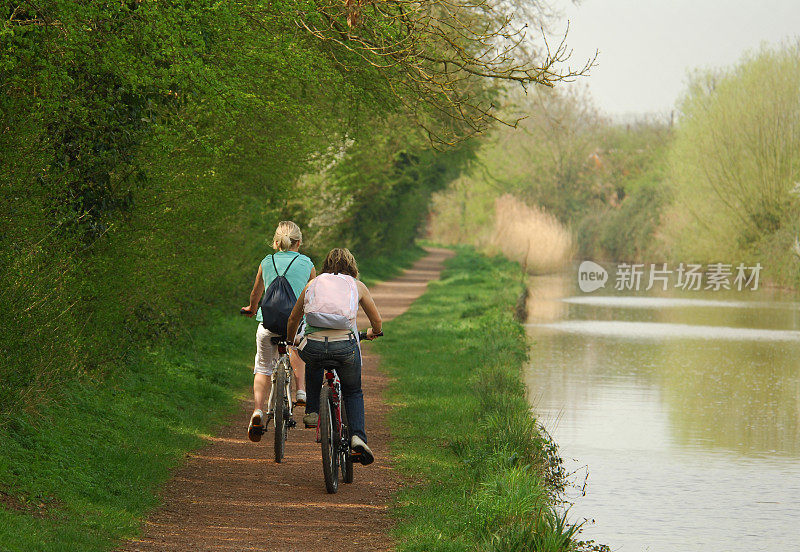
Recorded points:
(736, 162)
(603, 182)
(149, 148)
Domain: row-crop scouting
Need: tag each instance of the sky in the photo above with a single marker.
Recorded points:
(647, 47)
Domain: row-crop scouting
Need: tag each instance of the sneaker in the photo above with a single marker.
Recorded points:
(361, 452)
(300, 398)
(311, 419)
(255, 429)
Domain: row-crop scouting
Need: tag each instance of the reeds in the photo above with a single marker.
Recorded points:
(530, 236)
(507, 225)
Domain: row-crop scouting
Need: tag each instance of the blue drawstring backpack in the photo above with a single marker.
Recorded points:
(278, 302)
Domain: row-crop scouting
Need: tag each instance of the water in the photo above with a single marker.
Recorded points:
(681, 413)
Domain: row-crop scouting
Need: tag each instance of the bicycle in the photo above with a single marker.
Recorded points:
(279, 404)
(333, 432)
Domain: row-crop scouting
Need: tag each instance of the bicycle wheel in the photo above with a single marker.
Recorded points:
(281, 410)
(329, 439)
(346, 459)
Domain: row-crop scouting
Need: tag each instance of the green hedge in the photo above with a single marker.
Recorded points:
(147, 150)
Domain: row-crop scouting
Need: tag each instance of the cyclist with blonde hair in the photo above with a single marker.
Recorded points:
(330, 303)
(298, 270)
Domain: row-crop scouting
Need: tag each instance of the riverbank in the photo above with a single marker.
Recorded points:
(479, 474)
(82, 473)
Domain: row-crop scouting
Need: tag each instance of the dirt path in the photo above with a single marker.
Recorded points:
(231, 495)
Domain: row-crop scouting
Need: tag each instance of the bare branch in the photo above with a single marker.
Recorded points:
(449, 56)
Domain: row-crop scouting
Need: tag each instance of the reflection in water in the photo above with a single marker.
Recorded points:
(685, 413)
(654, 330)
(544, 300)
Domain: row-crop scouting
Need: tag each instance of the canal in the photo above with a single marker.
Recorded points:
(678, 413)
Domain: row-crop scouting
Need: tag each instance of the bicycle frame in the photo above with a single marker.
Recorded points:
(333, 433)
(332, 381)
(283, 362)
(280, 400)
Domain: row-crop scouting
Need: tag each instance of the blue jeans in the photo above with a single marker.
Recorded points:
(349, 370)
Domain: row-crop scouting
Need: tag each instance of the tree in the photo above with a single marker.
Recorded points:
(444, 60)
(736, 157)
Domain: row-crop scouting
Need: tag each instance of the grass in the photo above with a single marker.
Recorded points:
(84, 473)
(479, 473)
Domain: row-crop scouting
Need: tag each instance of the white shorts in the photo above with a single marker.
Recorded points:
(267, 353)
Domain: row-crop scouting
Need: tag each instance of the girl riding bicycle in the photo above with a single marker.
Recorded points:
(336, 341)
(298, 270)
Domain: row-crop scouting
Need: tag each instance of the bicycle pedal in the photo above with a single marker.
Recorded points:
(359, 458)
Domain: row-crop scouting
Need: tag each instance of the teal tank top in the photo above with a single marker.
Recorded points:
(297, 275)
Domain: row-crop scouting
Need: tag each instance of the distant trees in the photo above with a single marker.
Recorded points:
(527, 184)
(604, 182)
(723, 184)
(736, 160)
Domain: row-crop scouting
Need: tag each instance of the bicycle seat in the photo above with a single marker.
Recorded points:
(280, 342)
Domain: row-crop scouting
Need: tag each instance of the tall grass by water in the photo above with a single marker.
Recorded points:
(480, 473)
(526, 234)
(530, 235)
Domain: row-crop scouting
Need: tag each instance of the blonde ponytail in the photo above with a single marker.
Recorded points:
(287, 234)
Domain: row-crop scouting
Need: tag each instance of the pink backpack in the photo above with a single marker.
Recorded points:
(332, 301)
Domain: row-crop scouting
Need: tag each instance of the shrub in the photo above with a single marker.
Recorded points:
(736, 159)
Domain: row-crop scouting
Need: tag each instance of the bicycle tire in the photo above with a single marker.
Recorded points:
(281, 411)
(346, 458)
(328, 438)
